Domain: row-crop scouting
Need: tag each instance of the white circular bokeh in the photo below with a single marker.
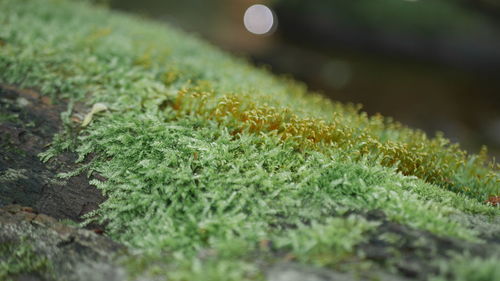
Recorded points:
(259, 19)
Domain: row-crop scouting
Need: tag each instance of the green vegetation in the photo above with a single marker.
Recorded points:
(8, 117)
(329, 242)
(20, 258)
(468, 268)
(213, 166)
(69, 222)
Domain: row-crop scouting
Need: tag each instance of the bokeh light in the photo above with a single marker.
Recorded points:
(259, 19)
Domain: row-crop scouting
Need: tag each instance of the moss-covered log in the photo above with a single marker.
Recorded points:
(209, 168)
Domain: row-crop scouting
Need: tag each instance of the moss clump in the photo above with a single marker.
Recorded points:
(468, 268)
(207, 157)
(329, 242)
(17, 258)
(382, 140)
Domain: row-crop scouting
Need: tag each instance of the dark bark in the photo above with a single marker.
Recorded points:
(27, 125)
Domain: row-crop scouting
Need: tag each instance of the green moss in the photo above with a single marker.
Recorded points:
(69, 222)
(206, 156)
(189, 188)
(18, 258)
(327, 243)
(13, 175)
(8, 117)
(143, 64)
(469, 268)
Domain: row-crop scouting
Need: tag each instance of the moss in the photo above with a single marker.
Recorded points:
(412, 153)
(123, 64)
(468, 268)
(19, 258)
(205, 156)
(70, 222)
(13, 175)
(8, 117)
(327, 243)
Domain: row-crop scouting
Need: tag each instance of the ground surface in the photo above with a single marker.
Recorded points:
(205, 168)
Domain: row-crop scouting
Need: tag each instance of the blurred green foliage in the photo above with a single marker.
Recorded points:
(427, 18)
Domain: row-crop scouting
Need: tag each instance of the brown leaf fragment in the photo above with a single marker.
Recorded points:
(493, 200)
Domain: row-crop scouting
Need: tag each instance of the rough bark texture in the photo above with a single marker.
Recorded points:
(34, 200)
(28, 126)
(74, 253)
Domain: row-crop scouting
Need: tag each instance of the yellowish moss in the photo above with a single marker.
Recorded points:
(434, 160)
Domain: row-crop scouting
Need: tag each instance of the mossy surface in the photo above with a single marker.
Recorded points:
(213, 167)
(18, 258)
(469, 268)
(38, 247)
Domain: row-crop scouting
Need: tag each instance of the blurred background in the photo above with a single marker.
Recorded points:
(431, 64)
